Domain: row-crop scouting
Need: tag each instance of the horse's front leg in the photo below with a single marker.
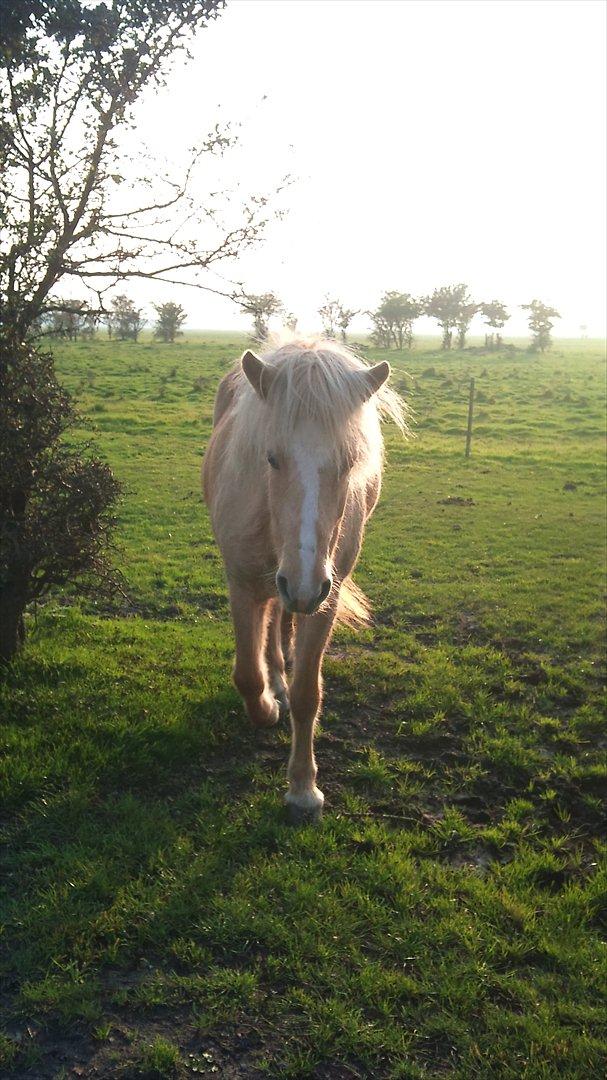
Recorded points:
(303, 798)
(249, 616)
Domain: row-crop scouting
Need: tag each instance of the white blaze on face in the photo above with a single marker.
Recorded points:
(310, 460)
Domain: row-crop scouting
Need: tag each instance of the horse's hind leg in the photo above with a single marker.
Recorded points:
(286, 637)
(249, 617)
(275, 657)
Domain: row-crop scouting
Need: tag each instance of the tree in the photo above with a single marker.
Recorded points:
(541, 321)
(69, 319)
(335, 317)
(71, 72)
(393, 320)
(88, 325)
(171, 318)
(329, 313)
(496, 315)
(381, 335)
(344, 318)
(125, 319)
(451, 306)
(465, 315)
(262, 306)
(56, 502)
(66, 323)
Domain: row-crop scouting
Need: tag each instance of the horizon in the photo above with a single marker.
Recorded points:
(471, 337)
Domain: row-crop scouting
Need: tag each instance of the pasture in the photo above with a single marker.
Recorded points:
(448, 917)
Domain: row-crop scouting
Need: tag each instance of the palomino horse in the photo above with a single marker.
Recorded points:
(291, 474)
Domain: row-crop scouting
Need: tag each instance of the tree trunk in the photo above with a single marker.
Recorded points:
(12, 625)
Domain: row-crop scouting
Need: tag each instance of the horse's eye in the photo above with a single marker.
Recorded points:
(272, 460)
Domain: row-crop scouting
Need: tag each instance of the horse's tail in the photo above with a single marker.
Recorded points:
(353, 608)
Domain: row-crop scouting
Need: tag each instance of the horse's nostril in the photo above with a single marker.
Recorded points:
(325, 590)
(283, 586)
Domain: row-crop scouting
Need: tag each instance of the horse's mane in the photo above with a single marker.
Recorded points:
(316, 381)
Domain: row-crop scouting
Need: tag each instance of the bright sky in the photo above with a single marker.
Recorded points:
(433, 141)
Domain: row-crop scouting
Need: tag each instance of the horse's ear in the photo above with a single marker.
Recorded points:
(375, 378)
(260, 375)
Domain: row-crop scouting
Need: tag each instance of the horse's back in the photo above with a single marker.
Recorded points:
(225, 396)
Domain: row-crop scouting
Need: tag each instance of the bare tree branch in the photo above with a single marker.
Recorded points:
(70, 93)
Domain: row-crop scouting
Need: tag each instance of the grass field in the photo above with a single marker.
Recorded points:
(449, 916)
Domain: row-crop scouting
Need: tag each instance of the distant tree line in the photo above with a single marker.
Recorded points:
(392, 320)
(454, 309)
(124, 321)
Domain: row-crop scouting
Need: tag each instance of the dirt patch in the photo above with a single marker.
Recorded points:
(456, 500)
(236, 1055)
(477, 860)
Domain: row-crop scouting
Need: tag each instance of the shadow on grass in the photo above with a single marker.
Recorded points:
(149, 869)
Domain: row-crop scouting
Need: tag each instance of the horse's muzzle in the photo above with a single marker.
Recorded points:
(301, 606)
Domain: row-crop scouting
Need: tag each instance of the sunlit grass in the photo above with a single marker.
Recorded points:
(449, 915)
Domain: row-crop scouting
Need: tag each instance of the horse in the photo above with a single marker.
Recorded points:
(291, 475)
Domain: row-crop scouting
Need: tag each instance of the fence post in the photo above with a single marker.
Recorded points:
(470, 414)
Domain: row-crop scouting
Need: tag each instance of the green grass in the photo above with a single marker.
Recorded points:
(449, 916)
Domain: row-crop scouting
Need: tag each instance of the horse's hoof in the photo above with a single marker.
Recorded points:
(280, 690)
(298, 816)
(305, 809)
(271, 719)
(283, 704)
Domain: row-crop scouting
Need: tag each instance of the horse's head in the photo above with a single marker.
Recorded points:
(310, 464)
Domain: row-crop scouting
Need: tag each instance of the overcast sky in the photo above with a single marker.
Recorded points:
(432, 142)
